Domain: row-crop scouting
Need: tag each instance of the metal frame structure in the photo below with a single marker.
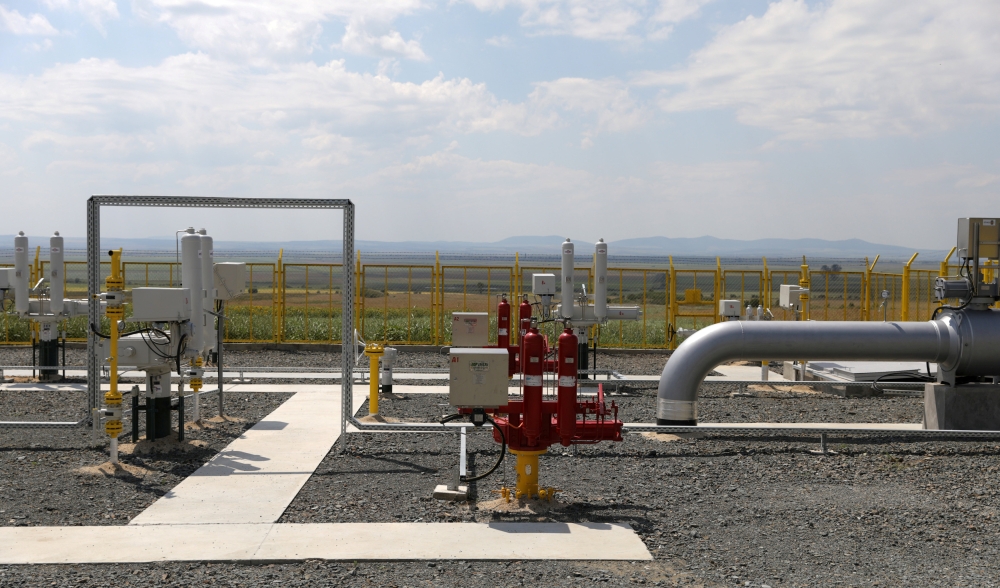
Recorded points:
(96, 202)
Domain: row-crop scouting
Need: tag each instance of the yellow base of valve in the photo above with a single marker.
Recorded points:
(113, 428)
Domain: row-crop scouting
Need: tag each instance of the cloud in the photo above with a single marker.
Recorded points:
(599, 20)
(846, 68)
(607, 100)
(358, 39)
(97, 12)
(18, 24)
(499, 41)
(965, 176)
(262, 29)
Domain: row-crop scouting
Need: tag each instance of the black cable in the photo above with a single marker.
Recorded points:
(180, 348)
(503, 446)
(921, 377)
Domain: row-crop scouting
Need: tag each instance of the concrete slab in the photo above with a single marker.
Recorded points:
(255, 478)
(63, 545)
(741, 373)
(494, 541)
(343, 541)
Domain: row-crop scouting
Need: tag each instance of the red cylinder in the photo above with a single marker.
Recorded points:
(524, 323)
(503, 332)
(567, 385)
(532, 352)
(503, 323)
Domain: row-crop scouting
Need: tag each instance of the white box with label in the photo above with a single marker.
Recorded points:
(729, 308)
(161, 305)
(230, 280)
(470, 329)
(478, 378)
(543, 284)
(789, 296)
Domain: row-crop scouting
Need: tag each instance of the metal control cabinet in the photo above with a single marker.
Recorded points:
(543, 284)
(161, 305)
(729, 308)
(230, 280)
(137, 351)
(478, 378)
(790, 296)
(470, 329)
(989, 237)
(6, 278)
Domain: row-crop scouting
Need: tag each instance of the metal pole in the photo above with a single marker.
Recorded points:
(347, 324)
(218, 359)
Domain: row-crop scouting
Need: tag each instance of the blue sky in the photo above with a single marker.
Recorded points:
(482, 119)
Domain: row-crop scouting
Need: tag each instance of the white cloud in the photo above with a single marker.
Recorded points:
(671, 12)
(603, 20)
(358, 38)
(607, 100)
(847, 68)
(499, 41)
(956, 176)
(97, 12)
(262, 29)
(18, 24)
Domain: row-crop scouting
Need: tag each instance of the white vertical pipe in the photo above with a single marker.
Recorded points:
(114, 450)
(208, 284)
(461, 459)
(191, 279)
(21, 273)
(56, 270)
(567, 287)
(601, 281)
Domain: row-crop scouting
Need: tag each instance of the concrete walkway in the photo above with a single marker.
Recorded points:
(258, 475)
(336, 541)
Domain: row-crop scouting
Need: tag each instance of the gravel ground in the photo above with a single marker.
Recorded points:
(47, 477)
(717, 511)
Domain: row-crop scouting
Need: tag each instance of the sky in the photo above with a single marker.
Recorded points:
(477, 120)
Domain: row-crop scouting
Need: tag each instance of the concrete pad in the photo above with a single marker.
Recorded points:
(742, 373)
(107, 544)
(334, 541)
(441, 492)
(494, 541)
(258, 475)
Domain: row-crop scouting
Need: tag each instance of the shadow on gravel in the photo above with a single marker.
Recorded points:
(405, 468)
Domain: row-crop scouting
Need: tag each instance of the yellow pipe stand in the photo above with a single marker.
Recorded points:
(527, 475)
(115, 311)
(374, 351)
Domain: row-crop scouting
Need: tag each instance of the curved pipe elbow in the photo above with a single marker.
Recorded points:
(677, 396)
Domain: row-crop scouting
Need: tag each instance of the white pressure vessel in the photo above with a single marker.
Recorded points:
(601, 280)
(57, 270)
(21, 273)
(191, 279)
(208, 283)
(566, 289)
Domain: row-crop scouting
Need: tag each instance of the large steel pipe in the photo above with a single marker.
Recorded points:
(935, 341)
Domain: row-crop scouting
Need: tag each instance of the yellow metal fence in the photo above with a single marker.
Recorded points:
(411, 304)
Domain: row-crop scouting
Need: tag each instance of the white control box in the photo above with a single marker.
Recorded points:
(543, 284)
(6, 278)
(478, 378)
(161, 305)
(789, 295)
(230, 280)
(729, 308)
(135, 351)
(989, 237)
(470, 329)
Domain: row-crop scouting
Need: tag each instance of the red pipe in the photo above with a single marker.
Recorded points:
(532, 354)
(524, 323)
(503, 332)
(568, 351)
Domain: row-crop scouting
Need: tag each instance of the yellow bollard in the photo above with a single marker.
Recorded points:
(115, 311)
(374, 351)
(527, 473)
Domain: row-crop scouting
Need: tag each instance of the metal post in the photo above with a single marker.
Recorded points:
(218, 355)
(347, 324)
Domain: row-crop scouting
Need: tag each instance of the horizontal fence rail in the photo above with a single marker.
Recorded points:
(410, 303)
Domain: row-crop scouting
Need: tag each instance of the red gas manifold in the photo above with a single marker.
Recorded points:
(533, 423)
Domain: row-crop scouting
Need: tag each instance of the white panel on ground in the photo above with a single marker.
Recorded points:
(258, 475)
(334, 541)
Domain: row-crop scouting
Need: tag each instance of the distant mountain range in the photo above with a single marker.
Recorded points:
(644, 246)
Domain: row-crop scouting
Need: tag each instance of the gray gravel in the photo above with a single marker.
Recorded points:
(717, 511)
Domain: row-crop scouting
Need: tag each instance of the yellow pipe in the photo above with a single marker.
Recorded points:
(944, 264)
(905, 306)
(527, 473)
(374, 351)
(804, 283)
(115, 311)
